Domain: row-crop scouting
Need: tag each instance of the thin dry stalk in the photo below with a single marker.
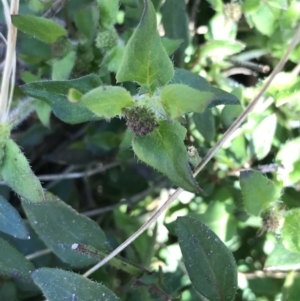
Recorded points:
(9, 71)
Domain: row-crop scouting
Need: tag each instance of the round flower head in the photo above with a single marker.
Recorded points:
(140, 120)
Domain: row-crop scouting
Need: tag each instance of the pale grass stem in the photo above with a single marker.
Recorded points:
(205, 160)
(9, 70)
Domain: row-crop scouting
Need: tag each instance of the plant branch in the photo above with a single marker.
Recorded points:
(206, 159)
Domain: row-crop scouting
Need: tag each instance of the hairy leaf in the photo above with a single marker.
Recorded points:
(164, 150)
(87, 20)
(145, 60)
(40, 28)
(108, 12)
(175, 21)
(62, 68)
(58, 285)
(55, 94)
(4, 135)
(229, 114)
(205, 124)
(107, 101)
(282, 259)
(179, 99)
(60, 226)
(258, 191)
(17, 174)
(262, 136)
(14, 265)
(209, 263)
(10, 220)
(198, 82)
(290, 231)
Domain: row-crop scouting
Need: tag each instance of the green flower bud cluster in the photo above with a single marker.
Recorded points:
(106, 40)
(233, 11)
(140, 120)
(61, 47)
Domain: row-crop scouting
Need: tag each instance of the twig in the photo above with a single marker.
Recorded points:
(132, 200)
(194, 15)
(205, 160)
(75, 175)
(54, 9)
(250, 65)
(38, 254)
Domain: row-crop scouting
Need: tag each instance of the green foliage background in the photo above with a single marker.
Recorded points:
(79, 70)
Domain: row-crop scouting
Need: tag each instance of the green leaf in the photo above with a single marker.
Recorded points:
(250, 6)
(258, 191)
(175, 21)
(14, 265)
(107, 101)
(262, 136)
(290, 231)
(171, 45)
(205, 124)
(55, 94)
(8, 291)
(210, 265)
(264, 20)
(70, 286)
(216, 4)
(164, 150)
(87, 20)
(289, 157)
(145, 60)
(282, 4)
(4, 135)
(74, 95)
(291, 287)
(133, 3)
(219, 49)
(40, 28)
(60, 226)
(10, 220)
(17, 174)
(197, 82)
(282, 259)
(62, 68)
(179, 99)
(108, 12)
(229, 114)
(43, 111)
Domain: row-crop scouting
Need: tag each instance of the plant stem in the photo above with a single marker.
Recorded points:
(21, 112)
(206, 159)
(38, 254)
(8, 77)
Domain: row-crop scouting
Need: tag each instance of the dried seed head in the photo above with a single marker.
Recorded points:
(272, 222)
(140, 120)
